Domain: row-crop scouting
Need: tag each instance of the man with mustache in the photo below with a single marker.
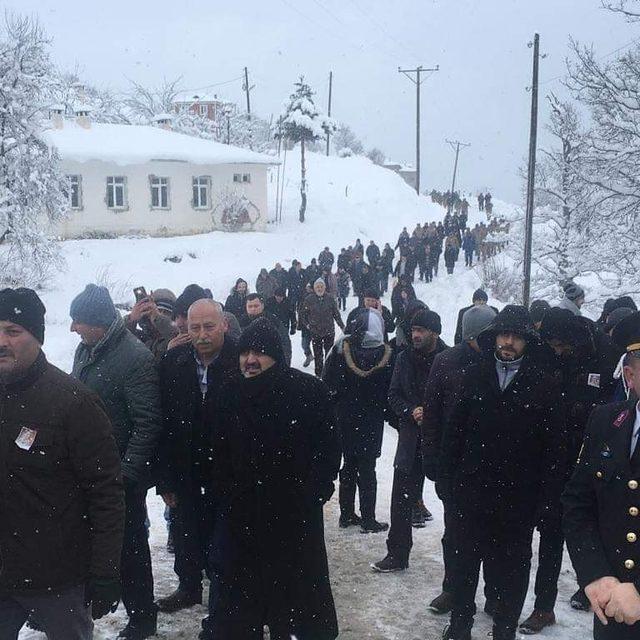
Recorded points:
(191, 379)
(61, 496)
(502, 466)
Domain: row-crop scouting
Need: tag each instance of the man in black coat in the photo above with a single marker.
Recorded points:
(406, 398)
(275, 460)
(296, 283)
(480, 297)
(325, 259)
(373, 254)
(503, 464)
(586, 375)
(357, 372)
(602, 506)
(282, 308)
(441, 395)
(371, 300)
(191, 380)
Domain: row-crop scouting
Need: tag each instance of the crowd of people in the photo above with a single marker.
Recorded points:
(529, 421)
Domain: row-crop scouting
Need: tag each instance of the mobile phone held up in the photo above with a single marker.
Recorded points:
(140, 293)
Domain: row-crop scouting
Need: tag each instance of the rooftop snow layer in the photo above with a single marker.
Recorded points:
(137, 144)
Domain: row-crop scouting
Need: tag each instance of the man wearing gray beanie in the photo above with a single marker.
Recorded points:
(114, 364)
(440, 396)
(479, 299)
(572, 297)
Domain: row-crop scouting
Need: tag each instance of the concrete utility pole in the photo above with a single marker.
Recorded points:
(247, 90)
(455, 144)
(329, 108)
(418, 82)
(531, 177)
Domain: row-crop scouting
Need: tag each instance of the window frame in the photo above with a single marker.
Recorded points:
(112, 186)
(198, 183)
(75, 187)
(242, 178)
(156, 185)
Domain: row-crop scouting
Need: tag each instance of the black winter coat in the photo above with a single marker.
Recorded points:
(189, 419)
(236, 304)
(406, 392)
(275, 461)
(389, 324)
(506, 448)
(284, 311)
(61, 496)
(359, 380)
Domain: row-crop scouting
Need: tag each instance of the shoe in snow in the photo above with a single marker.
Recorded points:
(418, 521)
(373, 527)
(351, 520)
(178, 600)
(442, 603)
(308, 360)
(537, 621)
(389, 564)
(579, 601)
(139, 629)
(450, 633)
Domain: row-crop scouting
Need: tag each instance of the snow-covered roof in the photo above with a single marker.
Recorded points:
(137, 144)
(198, 96)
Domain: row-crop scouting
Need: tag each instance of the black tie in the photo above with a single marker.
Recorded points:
(635, 458)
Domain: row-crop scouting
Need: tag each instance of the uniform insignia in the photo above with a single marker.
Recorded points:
(606, 452)
(593, 380)
(621, 418)
(26, 438)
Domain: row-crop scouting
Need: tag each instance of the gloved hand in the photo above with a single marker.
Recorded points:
(103, 594)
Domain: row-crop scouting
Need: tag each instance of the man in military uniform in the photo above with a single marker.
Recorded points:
(602, 505)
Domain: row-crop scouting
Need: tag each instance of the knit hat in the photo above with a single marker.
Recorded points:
(94, 307)
(514, 318)
(191, 294)
(572, 291)
(616, 316)
(480, 294)
(475, 320)
(261, 336)
(372, 293)
(537, 309)
(320, 281)
(561, 324)
(428, 320)
(23, 307)
(164, 299)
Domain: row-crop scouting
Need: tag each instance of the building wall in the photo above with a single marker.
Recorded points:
(180, 218)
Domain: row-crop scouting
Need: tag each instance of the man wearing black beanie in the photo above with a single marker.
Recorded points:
(61, 496)
(275, 458)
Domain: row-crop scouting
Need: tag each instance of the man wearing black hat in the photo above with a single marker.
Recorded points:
(406, 397)
(61, 496)
(113, 363)
(275, 458)
(602, 505)
(480, 297)
(502, 464)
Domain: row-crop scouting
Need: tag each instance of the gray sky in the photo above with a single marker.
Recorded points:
(478, 96)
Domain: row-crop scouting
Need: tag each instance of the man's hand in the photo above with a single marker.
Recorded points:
(417, 414)
(599, 594)
(103, 595)
(624, 605)
(170, 499)
(143, 309)
(180, 339)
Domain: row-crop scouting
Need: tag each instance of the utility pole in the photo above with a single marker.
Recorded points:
(455, 144)
(531, 177)
(247, 90)
(418, 82)
(329, 108)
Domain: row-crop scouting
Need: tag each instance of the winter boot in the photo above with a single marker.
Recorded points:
(139, 629)
(442, 603)
(373, 526)
(504, 633)
(170, 546)
(351, 520)
(308, 360)
(179, 599)
(579, 601)
(450, 633)
(389, 564)
(537, 621)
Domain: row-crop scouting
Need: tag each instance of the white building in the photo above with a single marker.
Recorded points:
(127, 179)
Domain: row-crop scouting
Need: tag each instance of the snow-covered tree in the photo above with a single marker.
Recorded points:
(376, 156)
(345, 138)
(32, 187)
(303, 123)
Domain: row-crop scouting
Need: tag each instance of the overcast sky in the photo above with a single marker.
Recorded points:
(479, 95)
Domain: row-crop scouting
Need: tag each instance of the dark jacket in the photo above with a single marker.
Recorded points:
(373, 254)
(236, 304)
(281, 277)
(296, 283)
(325, 260)
(189, 419)
(359, 379)
(441, 394)
(275, 460)
(319, 313)
(285, 340)
(266, 286)
(61, 498)
(398, 306)
(284, 311)
(121, 370)
(406, 392)
(155, 335)
(601, 500)
(389, 324)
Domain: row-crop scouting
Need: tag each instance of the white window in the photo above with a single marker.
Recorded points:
(203, 109)
(75, 192)
(159, 192)
(242, 177)
(116, 192)
(201, 188)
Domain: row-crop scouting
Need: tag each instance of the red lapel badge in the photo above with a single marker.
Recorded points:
(621, 418)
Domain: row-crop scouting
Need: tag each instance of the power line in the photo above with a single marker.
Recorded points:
(215, 84)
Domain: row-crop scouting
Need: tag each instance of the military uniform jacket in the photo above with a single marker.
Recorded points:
(602, 500)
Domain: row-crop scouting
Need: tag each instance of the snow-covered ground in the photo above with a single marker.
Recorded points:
(348, 199)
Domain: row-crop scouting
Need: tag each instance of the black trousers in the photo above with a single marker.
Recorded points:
(406, 491)
(135, 571)
(321, 346)
(358, 471)
(549, 564)
(615, 631)
(502, 540)
(468, 258)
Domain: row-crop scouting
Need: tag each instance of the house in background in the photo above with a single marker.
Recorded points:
(205, 104)
(407, 172)
(133, 179)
